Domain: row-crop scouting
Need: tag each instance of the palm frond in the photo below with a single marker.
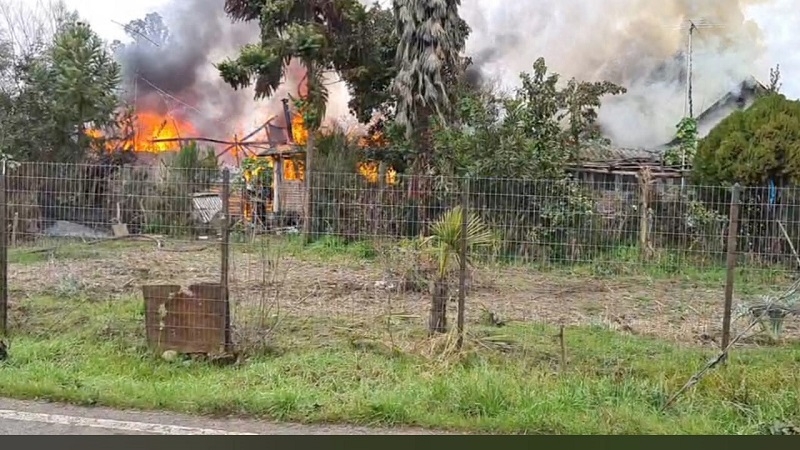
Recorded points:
(243, 10)
(446, 235)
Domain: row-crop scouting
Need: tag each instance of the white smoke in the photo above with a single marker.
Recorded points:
(636, 43)
(640, 44)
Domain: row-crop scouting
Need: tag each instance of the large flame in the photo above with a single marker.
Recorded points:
(294, 170)
(299, 130)
(150, 130)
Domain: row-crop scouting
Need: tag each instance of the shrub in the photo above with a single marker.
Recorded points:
(753, 146)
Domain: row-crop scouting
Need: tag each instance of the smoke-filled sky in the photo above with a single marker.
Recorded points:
(620, 40)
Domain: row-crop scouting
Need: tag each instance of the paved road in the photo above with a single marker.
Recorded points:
(32, 418)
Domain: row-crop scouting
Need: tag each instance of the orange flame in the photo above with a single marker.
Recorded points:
(293, 170)
(151, 127)
(299, 130)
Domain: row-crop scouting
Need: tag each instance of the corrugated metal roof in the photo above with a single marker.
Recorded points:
(599, 152)
(207, 206)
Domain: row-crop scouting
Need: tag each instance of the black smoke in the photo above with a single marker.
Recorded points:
(160, 66)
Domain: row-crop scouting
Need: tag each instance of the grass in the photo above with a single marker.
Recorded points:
(620, 261)
(92, 352)
(69, 347)
(66, 249)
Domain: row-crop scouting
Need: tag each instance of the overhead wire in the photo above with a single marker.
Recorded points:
(160, 91)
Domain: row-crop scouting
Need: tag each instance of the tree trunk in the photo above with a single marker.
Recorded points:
(308, 212)
(438, 319)
(422, 165)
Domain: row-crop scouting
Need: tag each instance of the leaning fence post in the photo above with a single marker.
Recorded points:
(462, 276)
(733, 234)
(3, 253)
(225, 225)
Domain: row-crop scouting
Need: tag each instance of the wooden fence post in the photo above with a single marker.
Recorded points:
(733, 235)
(462, 276)
(645, 184)
(3, 254)
(225, 229)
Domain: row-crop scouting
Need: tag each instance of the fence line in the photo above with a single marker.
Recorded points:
(586, 230)
(551, 221)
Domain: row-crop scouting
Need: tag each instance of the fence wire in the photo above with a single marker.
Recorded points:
(642, 257)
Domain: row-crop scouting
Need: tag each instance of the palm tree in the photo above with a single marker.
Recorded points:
(304, 30)
(445, 242)
(431, 37)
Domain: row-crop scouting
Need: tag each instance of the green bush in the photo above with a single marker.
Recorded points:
(753, 146)
(191, 170)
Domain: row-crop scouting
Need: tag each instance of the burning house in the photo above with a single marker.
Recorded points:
(614, 164)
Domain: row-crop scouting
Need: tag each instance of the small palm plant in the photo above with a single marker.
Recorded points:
(771, 312)
(445, 244)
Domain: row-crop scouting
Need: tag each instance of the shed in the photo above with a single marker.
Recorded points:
(288, 177)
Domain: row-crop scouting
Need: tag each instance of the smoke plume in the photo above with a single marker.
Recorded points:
(640, 44)
(179, 77)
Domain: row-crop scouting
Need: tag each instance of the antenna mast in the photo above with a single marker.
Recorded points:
(689, 98)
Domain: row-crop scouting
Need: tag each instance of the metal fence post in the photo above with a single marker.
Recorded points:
(733, 235)
(225, 225)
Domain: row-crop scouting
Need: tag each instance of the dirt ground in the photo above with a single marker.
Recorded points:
(673, 309)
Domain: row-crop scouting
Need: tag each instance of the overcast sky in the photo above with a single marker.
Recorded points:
(102, 14)
(782, 34)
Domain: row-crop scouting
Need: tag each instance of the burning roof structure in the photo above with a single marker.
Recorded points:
(603, 157)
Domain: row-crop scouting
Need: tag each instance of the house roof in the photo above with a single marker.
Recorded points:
(600, 154)
(604, 152)
(747, 88)
(734, 100)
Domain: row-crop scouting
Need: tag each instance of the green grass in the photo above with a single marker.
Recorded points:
(92, 352)
(616, 262)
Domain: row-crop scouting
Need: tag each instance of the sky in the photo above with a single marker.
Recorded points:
(781, 35)
(102, 14)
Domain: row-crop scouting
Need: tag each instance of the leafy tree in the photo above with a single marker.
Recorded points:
(775, 80)
(149, 31)
(519, 146)
(81, 79)
(445, 245)
(753, 146)
(526, 130)
(687, 144)
(291, 30)
(366, 59)
(25, 125)
(30, 26)
(760, 148)
(54, 90)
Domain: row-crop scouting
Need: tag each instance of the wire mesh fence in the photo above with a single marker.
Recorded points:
(643, 256)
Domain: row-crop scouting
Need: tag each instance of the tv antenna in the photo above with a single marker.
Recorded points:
(691, 26)
(690, 49)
